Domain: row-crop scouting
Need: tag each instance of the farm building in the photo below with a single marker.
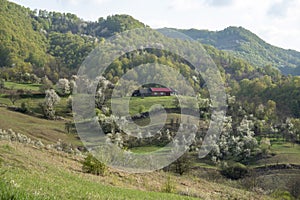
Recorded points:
(144, 92)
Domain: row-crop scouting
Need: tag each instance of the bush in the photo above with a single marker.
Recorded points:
(234, 171)
(93, 166)
(168, 187)
(24, 107)
(181, 165)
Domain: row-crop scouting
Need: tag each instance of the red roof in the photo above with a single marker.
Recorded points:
(161, 90)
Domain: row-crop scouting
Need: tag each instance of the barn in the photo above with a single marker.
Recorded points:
(161, 91)
(145, 92)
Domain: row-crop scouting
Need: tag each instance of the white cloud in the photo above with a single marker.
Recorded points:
(159, 23)
(195, 5)
(280, 9)
(278, 36)
(184, 5)
(82, 2)
(219, 3)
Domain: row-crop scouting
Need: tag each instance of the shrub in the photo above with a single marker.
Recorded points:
(93, 166)
(234, 171)
(24, 107)
(168, 187)
(181, 165)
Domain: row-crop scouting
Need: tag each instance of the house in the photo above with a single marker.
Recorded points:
(145, 92)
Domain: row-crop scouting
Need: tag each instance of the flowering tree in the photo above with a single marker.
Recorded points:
(238, 144)
(63, 87)
(51, 99)
(103, 89)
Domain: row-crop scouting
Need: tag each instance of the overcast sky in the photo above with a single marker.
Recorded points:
(276, 21)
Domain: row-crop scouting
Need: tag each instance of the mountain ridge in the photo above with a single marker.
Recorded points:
(245, 44)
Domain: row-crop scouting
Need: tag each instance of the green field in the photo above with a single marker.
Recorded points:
(284, 153)
(22, 86)
(33, 105)
(136, 103)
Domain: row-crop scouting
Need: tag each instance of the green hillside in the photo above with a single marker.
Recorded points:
(20, 44)
(51, 43)
(248, 46)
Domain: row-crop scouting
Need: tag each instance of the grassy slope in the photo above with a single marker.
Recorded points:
(46, 130)
(56, 175)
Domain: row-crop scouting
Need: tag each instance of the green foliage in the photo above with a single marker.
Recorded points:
(282, 95)
(93, 165)
(282, 195)
(20, 44)
(50, 43)
(116, 24)
(69, 48)
(234, 170)
(67, 22)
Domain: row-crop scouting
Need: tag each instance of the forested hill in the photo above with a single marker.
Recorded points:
(32, 40)
(20, 43)
(246, 45)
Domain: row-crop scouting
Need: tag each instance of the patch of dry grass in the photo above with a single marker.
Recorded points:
(46, 130)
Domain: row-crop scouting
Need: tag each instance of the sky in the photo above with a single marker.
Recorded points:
(275, 21)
